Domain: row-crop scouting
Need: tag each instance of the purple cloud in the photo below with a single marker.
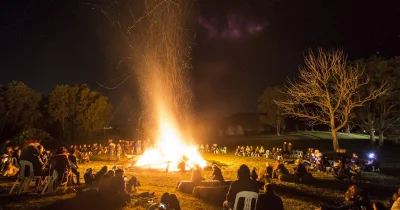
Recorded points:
(233, 26)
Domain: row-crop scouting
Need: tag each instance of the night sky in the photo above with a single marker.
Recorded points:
(241, 47)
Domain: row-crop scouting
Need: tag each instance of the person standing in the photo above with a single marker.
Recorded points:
(118, 151)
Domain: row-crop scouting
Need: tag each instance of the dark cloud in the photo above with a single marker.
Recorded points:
(236, 21)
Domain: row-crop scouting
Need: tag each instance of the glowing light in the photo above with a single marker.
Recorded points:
(163, 61)
(170, 150)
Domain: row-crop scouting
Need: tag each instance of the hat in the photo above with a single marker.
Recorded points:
(61, 151)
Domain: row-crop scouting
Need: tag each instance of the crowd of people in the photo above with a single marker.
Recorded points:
(215, 149)
(112, 185)
(284, 152)
(112, 149)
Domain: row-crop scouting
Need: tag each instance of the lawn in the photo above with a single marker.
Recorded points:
(295, 196)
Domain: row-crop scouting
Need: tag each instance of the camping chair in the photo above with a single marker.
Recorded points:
(248, 198)
(266, 153)
(51, 183)
(299, 154)
(23, 180)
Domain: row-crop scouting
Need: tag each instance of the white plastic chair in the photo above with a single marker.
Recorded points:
(300, 154)
(266, 153)
(248, 197)
(23, 180)
(51, 183)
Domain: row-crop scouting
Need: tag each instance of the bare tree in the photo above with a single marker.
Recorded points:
(381, 115)
(270, 113)
(327, 91)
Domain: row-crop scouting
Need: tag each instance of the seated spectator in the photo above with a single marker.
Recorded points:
(88, 176)
(244, 183)
(196, 174)
(31, 154)
(253, 174)
(355, 198)
(300, 171)
(100, 174)
(217, 174)
(115, 191)
(60, 163)
(132, 184)
(173, 203)
(268, 172)
(10, 170)
(163, 204)
(105, 182)
(16, 157)
(254, 177)
(74, 167)
(269, 200)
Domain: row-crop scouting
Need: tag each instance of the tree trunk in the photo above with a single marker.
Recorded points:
(381, 138)
(348, 129)
(372, 135)
(335, 139)
(278, 128)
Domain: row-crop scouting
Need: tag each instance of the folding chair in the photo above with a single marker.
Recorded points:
(248, 198)
(23, 180)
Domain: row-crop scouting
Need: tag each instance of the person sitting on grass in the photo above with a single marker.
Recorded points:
(99, 175)
(300, 170)
(254, 177)
(89, 177)
(114, 190)
(163, 204)
(217, 174)
(244, 183)
(196, 174)
(268, 172)
(269, 200)
(132, 185)
(355, 198)
(173, 203)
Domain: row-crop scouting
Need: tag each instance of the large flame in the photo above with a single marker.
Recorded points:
(170, 149)
(163, 64)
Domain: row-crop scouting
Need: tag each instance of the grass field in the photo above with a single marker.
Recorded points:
(295, 196)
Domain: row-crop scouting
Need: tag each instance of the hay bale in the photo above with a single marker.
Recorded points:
(186, 186)
(287, 178)
(210, 194)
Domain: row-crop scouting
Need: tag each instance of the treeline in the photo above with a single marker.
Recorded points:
(339, 95)
(67, 114)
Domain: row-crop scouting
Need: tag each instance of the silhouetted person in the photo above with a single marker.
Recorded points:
(244, 183)
(196, 175)
(269, 200)
(60, 163)
(217, 174)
